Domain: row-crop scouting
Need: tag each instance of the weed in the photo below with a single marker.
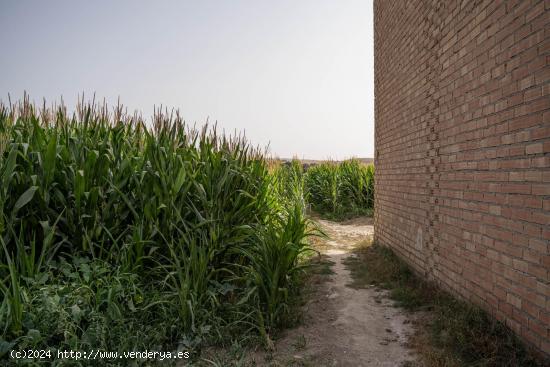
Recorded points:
(459, 334)
(299, 343)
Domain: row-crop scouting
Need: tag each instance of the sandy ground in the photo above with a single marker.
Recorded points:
(344, 326)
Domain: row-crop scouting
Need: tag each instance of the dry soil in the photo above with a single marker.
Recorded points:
(344, 326)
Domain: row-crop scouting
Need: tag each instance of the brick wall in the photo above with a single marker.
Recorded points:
(462, 106)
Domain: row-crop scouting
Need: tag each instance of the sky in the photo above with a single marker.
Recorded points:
(297, 75)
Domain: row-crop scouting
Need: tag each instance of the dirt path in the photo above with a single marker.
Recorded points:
(344, 326)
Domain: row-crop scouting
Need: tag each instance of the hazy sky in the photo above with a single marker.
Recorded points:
(297, 74)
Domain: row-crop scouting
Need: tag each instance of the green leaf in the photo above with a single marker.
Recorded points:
(179, 180)
(76, 313)
(131, 305)
(50, 158)
(34, 335)
(9, 166)
(5, 346)
(79, 186)
(25, 198)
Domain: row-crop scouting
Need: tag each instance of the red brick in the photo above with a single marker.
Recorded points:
(462, 137)
(541, 189)
(533, 148)
(525, 121)
(532, 93)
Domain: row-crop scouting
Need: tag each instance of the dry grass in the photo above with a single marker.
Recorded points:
(449, 332)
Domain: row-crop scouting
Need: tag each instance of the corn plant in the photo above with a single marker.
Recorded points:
(289, 181)
(208, 236)
(340, 189)
(274, 264)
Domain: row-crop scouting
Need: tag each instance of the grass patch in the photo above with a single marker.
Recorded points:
(318, 269)
(341, 216)
(454, 333)
(322, 266)
(300, 343)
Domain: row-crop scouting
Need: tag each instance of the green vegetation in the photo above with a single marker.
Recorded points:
(340, 190)
(121, 237)
(334, 190)
(290, 181)
(458, 334)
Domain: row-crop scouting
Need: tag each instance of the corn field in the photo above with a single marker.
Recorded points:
(119, 236)
(340, 190)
